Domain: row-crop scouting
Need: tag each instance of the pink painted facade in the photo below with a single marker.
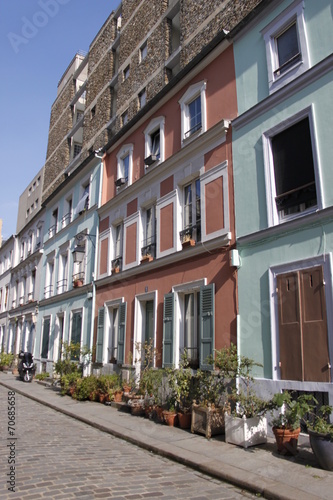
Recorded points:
(169, 225)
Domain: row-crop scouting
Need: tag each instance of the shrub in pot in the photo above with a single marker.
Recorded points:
(320, 431)
(6, 360)
(181, 383)
(286, 425)
(246, 425)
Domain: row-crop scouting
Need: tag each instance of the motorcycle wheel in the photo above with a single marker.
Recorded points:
(27, 377)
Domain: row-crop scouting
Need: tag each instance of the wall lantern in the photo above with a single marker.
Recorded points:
(78, 254)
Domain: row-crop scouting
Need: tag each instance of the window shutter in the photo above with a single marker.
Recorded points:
(45, 342)
(100, 336)
(168, 322)
(121, 333)
(207, 321)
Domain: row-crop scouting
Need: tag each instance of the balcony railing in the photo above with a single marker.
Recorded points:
(190, 234)
(149, 248)
(62, 286)
(48, 291)
(116, 264)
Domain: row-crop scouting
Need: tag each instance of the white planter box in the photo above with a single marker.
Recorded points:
(245, 431)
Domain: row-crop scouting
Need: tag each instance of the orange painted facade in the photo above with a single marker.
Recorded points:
(156, 203)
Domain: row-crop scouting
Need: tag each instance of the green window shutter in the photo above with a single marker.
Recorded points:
(121, 333)
(45, 341)
(100, 336)
(76, 328)
(168, 322)
(207, 321)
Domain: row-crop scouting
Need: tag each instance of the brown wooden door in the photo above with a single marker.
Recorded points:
(303, 326)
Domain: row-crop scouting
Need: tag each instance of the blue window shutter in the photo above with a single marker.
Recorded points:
(168, 334)
(207, 322)
(100, 336)
(121, 333)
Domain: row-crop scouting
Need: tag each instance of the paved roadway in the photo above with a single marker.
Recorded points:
(58, 457)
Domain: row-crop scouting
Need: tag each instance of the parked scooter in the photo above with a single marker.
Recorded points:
(26, 366)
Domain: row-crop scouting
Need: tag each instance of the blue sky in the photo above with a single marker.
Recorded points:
(38, 39)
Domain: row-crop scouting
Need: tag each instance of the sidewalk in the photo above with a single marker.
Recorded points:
(258, 469)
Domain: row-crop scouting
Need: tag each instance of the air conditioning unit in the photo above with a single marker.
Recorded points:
(121, 181)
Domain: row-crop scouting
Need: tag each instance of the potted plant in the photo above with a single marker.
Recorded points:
(6, 360)
(181, 382)
(320, 431)
(211, 399)
(246, 425)
(286, 425)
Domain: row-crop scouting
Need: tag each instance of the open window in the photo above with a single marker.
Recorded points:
(154, 142)
(291, 169)
(191, 232)
(188, 324)
(124, 166)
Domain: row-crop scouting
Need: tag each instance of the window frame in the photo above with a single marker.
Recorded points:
(191, 230)
(157, 124)
(273, 217)
(143, 52)
(293, 14)
(124, 152)
(192, 93)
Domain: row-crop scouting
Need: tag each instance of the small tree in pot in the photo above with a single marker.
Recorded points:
(320, 431)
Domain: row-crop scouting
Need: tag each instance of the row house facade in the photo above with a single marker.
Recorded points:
(66, 281)
(282, 151)
(20, 271)
(166, 229)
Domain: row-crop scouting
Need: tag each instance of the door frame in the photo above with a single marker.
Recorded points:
(322, 260)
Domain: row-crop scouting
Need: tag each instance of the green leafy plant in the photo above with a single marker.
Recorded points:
(291, 410)
(42, 376)
(319, 421)
(6, 359)
(181, 384)
(73, 359)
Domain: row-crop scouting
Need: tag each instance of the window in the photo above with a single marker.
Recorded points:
(45, 339)
(142, 98)
(143, 51)
(149, 243)
(286, 46)
(193, 112)
(154, 142)
(63, 273)
(188, 324)
(54, 223)
(124, 166)
(48, 292)
(83, 204)
(77, 150)
(93, 112)
(110, 343)
(116, 263)
(76, 327)
(191, 214)
(126, 72)
(79, 116)
(67, 218)
(124, 118)
(291, 174)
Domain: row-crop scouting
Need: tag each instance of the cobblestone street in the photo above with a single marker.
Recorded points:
(61, 458)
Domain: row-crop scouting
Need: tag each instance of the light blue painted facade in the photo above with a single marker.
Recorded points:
(268, 247)
(62, 300)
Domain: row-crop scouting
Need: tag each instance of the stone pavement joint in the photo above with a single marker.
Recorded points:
(258, 469)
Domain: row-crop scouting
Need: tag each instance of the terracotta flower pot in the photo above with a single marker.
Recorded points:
(286, 440)
(184, 420)
(170, 418)
(118, 396)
